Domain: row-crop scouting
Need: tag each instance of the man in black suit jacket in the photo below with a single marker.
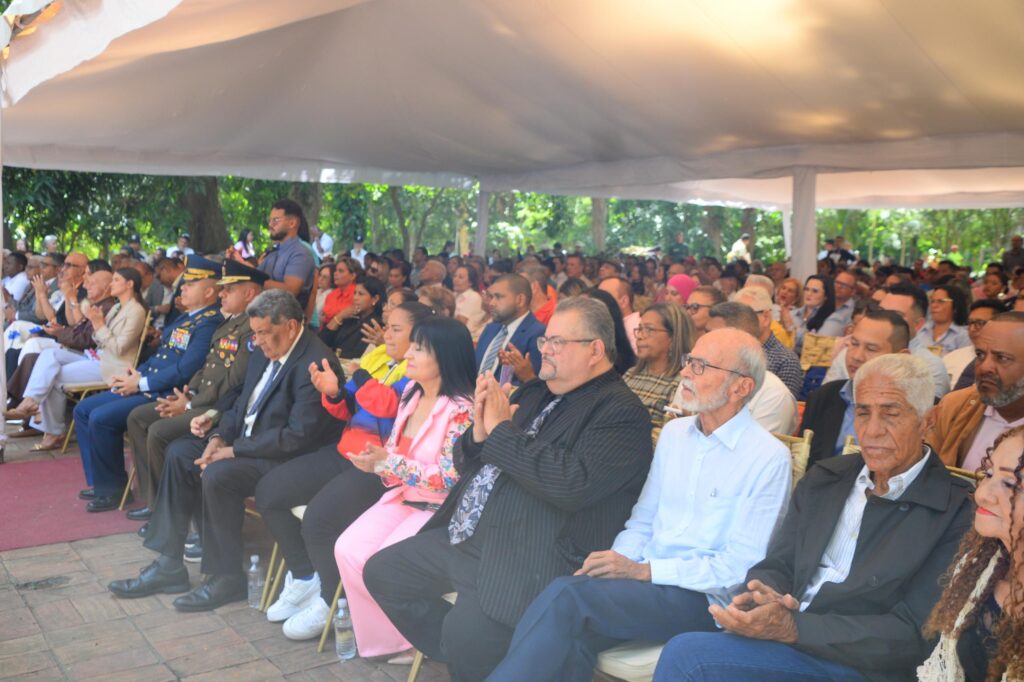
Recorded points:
(541, 487)
(277, 416)
(829, 410)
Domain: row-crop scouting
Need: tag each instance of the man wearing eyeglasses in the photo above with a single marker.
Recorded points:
(960, 362)
(845, 286)
(717, 489)
(543, 485)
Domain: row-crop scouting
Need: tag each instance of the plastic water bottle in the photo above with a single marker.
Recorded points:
(255, 576)
(344, 638)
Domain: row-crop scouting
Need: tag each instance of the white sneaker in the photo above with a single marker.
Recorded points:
(308, 623)
(296, 595)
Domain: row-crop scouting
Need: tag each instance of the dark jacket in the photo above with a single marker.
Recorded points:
(347, 339)
(824, 415)
(524, 339)
(226, 362)
(871, 621)
(79, 337)
(291, 420)
(561, 495)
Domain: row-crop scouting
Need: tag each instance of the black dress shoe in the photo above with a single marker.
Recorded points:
(215, 591)
(86, 494)
(152, 580)
(104, 503)
(143, 530)
(139, 514)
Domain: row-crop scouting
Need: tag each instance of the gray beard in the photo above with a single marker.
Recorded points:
(700, 404)
(1005, 396)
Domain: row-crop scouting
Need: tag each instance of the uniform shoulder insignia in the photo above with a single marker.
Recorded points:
(251, 344)
(210, 313)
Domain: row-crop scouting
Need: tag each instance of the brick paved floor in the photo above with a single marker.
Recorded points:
(58, 621)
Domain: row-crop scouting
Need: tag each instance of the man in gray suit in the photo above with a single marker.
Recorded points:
(542, 486)
(277, 416)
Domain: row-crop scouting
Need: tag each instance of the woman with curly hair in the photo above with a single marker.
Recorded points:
(980, 617)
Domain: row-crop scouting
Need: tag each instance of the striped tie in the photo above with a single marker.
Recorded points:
(492, 351)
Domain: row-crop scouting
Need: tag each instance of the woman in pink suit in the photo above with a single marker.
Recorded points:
(436, 407)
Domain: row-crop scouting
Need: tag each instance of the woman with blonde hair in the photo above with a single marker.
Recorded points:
(980, 617)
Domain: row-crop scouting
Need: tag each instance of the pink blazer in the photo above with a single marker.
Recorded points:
(427, 473)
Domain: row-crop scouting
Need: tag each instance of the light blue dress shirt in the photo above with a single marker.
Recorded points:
(846, 393)
(954, 337)
(710, 505)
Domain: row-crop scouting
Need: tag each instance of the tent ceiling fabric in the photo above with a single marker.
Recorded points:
(893, 102)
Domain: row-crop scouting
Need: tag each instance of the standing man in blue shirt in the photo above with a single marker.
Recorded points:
(717, 488)
(289, 262)
(103, 418)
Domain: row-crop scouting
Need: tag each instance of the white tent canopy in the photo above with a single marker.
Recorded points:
(871, 103)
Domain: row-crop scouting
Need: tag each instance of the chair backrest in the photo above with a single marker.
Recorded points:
(311, 303)
(971, 477)
(800, 448)
(850, 447)
(142, 338)
(817, 350)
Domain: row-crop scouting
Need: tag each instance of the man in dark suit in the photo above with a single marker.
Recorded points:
(513, 323)
(541, 487)
(277, 416)
(102, 418)
(853, 573)
(829, 410)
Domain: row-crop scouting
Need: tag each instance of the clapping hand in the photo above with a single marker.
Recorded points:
(496, 407)
(520, 364)
(324, 380)
(373, 333)
(96, 316)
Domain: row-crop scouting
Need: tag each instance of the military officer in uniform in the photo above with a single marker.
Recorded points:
(102, 418)
(152, 426)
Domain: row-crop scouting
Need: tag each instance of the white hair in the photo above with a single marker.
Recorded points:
(761, 281)
(755, 297)
(910, 374)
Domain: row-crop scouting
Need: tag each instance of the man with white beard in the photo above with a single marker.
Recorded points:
(717, 488)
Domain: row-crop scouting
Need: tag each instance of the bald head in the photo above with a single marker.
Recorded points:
(97, 286)
(726, 369)
(433, 272)
(621, 291)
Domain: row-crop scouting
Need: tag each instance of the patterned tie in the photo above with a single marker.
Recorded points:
(471, 505)
(492, 350)
(276, 365)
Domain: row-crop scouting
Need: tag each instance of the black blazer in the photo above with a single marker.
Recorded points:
(292, 420)
(561, 495)
(823, 414)
(871, 621)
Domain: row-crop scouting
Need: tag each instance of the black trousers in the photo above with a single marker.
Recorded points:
(408, 580)
(336, 494)
(220, 492)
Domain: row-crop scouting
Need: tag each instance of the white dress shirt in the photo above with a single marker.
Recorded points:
(835, 563)
(710, 505)
(250, 419)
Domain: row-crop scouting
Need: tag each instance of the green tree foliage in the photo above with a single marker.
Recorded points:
(96, 212)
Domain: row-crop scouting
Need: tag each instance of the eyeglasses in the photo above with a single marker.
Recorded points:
(645, 329)
(557, 343)
(698, 365)
(976, 324)
(695, 307)
(935, 299)
(275, 220)
(844, 285)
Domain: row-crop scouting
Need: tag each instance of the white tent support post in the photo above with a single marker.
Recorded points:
(804, 230)
(3, 345)
(787, 230)
(483, 221)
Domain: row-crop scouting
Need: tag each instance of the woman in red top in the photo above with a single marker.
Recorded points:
(340, 299)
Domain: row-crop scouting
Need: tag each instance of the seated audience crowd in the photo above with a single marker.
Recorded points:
(515, 465)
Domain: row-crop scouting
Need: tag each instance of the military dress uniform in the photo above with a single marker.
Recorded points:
(224, 370)
(102, 419)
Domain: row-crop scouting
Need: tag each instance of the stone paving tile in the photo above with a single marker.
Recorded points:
(74, 629)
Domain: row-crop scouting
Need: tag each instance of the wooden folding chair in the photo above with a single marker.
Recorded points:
(800, 448)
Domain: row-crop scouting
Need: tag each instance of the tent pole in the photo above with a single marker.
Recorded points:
(3, 345)
(787, 230)
(805, 233)
(483, 219)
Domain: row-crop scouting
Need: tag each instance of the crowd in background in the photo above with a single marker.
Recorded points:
(376, 389)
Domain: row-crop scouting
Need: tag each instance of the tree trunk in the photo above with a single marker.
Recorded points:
(310, 196)
(206, 220)
(408, 240)
(599, 221)
(748, 224)
(711, 222)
